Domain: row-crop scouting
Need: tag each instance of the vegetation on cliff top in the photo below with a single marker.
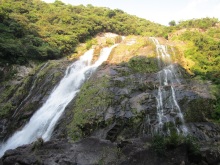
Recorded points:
(200, 45)
(39, 31)
(35, 30)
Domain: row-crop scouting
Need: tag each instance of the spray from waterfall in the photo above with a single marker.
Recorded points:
(168, 109)
(42, 123)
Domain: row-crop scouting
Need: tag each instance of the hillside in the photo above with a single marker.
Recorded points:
(154, 100)
(198, 43)
(35, 30)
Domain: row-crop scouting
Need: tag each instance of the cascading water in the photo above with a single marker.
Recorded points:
(168, 110)
(42, 123)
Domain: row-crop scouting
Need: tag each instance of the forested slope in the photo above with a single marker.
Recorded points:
(39, 31)
(198, 45)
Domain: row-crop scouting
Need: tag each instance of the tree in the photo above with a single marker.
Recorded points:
(172, 23)
(52, 30)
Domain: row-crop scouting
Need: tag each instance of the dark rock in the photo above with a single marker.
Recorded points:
(116, 119)
(88, 151)
(212, 157)
(28, 95)
(205, 131)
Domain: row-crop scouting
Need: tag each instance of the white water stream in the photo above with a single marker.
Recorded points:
(168, 109)
(42, 123)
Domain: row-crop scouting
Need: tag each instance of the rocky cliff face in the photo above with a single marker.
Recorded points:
(28, 90)
(112, 119)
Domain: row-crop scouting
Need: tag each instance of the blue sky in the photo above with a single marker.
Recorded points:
(159, 11)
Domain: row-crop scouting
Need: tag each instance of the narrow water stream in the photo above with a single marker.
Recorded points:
(168, 109)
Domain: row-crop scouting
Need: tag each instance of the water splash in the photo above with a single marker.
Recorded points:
(42, 123)
(168, 109)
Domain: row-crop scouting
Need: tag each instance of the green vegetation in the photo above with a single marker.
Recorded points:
(13, 93)
(88, 108)
(201, 46)
(143, 64)
(35, 30)
(6, 108)
(172, 23)
(198, 110)
(158, 144)
(10, 73)
(161, 143)
(203, 23)
(130, 47)
(205, 53)
(9, 90)
(90, 43)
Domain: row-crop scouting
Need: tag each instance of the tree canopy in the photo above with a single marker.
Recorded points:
(38, 31)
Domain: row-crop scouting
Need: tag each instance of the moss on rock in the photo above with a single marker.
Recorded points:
(5, 109)
(143, 64)
(89, 107)
(199, 110)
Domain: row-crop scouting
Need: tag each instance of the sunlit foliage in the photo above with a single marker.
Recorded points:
(41, 31)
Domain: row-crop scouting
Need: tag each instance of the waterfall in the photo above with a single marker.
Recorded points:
(42, 123)
(168, 109)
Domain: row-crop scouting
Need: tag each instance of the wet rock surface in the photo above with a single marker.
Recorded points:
(132, 114)
(87, 151)
(95, 151)
(133, 102)
(28, 93)
(113, 118)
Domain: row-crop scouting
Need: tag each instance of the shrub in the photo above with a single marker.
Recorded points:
(143, 64)
(158, 144)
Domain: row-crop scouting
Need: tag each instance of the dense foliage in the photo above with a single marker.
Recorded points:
(37, 30)
(203, 23)
(202, 47)
(205, 53)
